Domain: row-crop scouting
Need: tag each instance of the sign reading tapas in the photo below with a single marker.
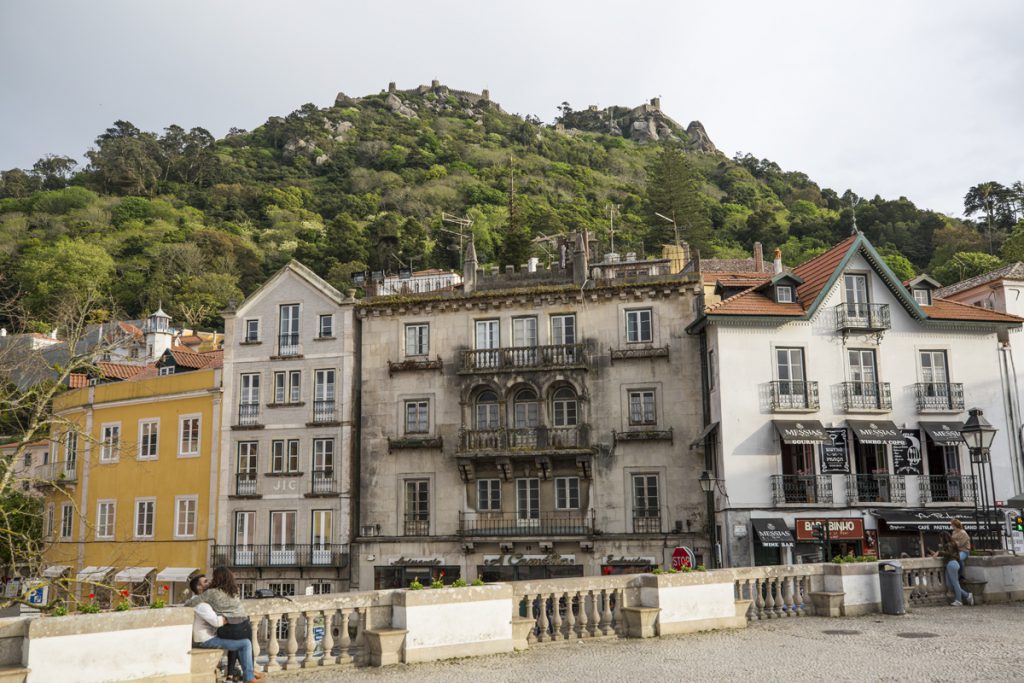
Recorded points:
(513, 559)
(838, 529)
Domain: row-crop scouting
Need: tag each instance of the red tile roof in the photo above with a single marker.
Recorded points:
(128, 328)
(78, 380)
(816, 273)
(118, 370)
(188, 358)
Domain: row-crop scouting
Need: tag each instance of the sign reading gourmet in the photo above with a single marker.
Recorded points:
(880, 432)
(800, 431)
(906, 457)
(840, 529)
(835, 457)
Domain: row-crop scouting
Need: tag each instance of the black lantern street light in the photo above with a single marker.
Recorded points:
(707, 485)
(978, 434)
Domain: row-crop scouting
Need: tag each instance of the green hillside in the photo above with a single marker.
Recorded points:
(195, 222)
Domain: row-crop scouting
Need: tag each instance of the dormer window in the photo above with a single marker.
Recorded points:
(923, 297)
(784, 294)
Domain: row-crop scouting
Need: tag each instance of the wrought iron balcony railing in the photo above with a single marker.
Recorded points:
(323, 483)
(863, 317)
(803, 489)
(416, 525)
(866, 396)
(283, 555)
(248, 414)
(58, 473)
(512, 524)
(524, 358)
(646, 520)
(939, 397)
(876, 488)
(794, 395)
(247, 484)
(528, 439)
(947, 488)
(288, 345)
(324, 411)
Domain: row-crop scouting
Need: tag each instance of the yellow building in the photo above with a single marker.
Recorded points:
(131, 484)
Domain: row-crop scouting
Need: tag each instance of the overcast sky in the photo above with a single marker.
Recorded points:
(914, 98)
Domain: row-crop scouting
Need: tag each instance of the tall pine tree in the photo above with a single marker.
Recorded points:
(674, 190)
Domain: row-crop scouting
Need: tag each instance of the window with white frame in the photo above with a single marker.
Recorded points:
(567, 493)
(417, 416)
(326, 326)
(149, 436)
(642, 408)
(923, 296)
(323, 386)
(284, 456)
(70, 450)
(638, 326)
(645, 496)
(246, 590)
(110, 442)
(488, 495)
(67, 520)
(784, 294)
(528, 499)
(252, 331)
(106, 514)
(145, 514)
(186, 513)
(282, 529)
(285, 590)
(167, 370)
(564, 408)
(280, 387)
(188, 435)
(323, 456)
(295, 386)
(321, 588)
(417, 507)
(49, 520)
(417, 339)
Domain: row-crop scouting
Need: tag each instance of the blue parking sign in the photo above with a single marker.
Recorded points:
(37, 596)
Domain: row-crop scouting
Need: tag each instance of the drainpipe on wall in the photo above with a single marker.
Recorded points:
(1011, 405)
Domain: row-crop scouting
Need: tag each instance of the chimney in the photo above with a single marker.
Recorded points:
(580, 262)
(469, 268)
(758, 257)
(778, 261)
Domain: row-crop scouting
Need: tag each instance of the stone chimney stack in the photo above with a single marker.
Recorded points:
(469, 268)
(758, 257)
(580, 260)
(778, 261)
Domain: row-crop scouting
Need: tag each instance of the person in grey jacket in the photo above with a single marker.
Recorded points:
(205, 632)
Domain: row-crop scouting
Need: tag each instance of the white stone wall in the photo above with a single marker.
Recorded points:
(315, 298)
(750, 450)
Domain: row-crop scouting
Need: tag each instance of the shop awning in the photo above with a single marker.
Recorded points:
(699, 441)
(176, 574)
(133, 574)
(932, 520)
(801, 431)
(879, 432)
(772, 533)
(944, 433)
(55, 570)
(94, 574)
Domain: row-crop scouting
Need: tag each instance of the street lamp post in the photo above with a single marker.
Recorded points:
(978, 434)
(707, 485)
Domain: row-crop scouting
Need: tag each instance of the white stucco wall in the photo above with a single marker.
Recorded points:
(101, 657)
(750, 449)
(690, 603)
(441, 625)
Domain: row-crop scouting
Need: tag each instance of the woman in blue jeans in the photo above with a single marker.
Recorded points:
(949, 552)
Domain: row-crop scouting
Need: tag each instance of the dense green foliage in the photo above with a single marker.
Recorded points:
(196, 223)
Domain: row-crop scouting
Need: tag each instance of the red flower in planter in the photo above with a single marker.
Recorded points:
(167, 588)
(124, 594)
(92, 595)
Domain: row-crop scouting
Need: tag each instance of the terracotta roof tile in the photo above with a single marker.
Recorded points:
(1014, 271)
(188, 358)
(751, 302)
(944, 309)
(118, 370)
(816, 272)
(78, 380)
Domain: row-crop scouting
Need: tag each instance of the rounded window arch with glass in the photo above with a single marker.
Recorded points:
(486, 413)
(525, 418)
(564, 408)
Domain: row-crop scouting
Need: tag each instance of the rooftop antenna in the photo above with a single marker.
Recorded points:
(464, 224)
(611, 221)
(854, 201)
(675, 228)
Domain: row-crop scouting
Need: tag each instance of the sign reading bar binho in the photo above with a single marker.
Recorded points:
(843, 529)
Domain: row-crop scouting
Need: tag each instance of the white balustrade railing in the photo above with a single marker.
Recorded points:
(574, 608)
(778, 591)
(924, 581)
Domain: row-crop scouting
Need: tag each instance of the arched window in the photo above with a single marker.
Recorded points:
(526, 409)
(487, 411)
(564, 408)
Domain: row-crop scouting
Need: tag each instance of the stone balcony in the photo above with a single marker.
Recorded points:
(264, 556)
(524, 358)
(492, 524)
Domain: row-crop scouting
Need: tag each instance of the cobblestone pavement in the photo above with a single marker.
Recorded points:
(983, 643)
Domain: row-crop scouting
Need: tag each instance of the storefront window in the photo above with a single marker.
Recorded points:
(400, 576)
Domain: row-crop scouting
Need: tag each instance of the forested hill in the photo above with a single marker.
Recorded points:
(195, 222)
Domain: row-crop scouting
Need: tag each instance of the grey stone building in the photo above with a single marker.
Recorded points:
(531, 424)
(285, 477)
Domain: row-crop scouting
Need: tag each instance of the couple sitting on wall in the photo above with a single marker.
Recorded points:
(221, 621)
(954, 549)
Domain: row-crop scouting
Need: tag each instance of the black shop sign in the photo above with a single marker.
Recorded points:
(906, 457)
(834, 456)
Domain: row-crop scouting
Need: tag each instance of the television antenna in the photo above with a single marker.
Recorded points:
(612, 208)
(464, 225)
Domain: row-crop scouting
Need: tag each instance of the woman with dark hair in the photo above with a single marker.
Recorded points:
(222, 596)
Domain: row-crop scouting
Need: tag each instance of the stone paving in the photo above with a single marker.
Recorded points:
(983, 643)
